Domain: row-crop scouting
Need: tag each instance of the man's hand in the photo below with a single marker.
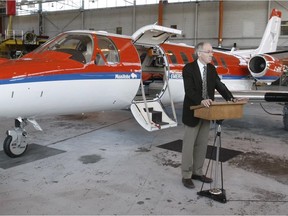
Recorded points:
(206, 102)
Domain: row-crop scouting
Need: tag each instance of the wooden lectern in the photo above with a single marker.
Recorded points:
(218, 111)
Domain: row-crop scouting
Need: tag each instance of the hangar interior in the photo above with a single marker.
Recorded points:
(105, 163)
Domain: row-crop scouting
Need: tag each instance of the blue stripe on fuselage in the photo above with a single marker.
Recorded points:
(105, 75)
(65, 77)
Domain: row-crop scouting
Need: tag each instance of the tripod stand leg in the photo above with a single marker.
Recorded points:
(215, 193)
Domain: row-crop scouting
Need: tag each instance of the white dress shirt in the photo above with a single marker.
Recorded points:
(201, 67)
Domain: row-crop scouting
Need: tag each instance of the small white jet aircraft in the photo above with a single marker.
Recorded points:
(88, 71)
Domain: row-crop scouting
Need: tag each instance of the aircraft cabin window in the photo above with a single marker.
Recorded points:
(214, 61)
(184, 57)
(172, 57)
(223, 62)
(108, 50)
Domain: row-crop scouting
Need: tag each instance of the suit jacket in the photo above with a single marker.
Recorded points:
(193, 89)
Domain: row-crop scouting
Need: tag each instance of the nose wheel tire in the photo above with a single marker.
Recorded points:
(12, 149)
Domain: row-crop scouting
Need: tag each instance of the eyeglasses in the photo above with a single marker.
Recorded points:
(207, 51)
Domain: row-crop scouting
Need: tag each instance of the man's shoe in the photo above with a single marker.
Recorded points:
(202, 178)
(188, 183)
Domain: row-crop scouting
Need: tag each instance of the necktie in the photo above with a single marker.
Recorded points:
(204, 83)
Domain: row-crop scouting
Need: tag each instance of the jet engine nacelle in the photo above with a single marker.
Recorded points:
(265, 67)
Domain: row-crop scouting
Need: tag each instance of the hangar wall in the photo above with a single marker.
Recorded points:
(244, 21)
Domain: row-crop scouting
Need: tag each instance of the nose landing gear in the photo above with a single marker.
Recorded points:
(15, 143)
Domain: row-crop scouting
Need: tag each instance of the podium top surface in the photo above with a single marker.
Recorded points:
(215, 103)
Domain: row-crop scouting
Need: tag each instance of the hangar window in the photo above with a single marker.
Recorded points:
(172, 57)
(184, 57)
(174, 27)
(108, 50)
(284, 27)
(119, 30)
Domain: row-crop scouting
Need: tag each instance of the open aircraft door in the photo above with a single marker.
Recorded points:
(150, 113)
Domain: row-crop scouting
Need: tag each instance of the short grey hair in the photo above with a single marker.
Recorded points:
(199, 47)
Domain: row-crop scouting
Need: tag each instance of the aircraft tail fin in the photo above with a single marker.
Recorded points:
(271, 35)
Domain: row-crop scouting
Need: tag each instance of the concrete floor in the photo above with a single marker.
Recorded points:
(105, 163)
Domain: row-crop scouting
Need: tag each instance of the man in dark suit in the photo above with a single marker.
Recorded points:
(198, 91)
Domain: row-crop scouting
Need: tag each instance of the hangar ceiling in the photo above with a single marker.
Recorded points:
(26, 7)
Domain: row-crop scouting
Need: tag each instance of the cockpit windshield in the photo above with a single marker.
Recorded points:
(80, 46)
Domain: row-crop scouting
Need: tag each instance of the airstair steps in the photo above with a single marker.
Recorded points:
(156, 116)
(154, 119)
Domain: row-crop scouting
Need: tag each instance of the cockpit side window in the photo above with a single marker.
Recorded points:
(99, 59)
(108, 50)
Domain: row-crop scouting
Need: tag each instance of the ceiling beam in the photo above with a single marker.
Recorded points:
(32, 2)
